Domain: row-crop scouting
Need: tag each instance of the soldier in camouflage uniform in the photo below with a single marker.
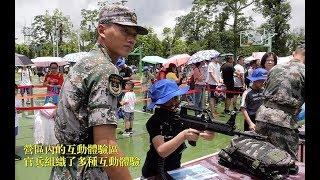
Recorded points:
(283, 97)
(88, 98)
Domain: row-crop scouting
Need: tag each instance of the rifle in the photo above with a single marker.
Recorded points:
(187, 118)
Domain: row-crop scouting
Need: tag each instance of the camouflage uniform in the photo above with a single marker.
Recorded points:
(88, 98)
(283, 96)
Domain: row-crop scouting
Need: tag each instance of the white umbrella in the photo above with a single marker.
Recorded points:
(283, 60)
(74, 57)
(203, 55)
(45, 61)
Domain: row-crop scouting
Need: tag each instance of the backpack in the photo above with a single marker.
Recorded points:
(259, 158)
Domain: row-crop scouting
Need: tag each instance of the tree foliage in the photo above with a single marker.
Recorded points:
(211, 24)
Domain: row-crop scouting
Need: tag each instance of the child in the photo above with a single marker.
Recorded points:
(128, 102)
(17, 104)
(252, 98)
(166, 142)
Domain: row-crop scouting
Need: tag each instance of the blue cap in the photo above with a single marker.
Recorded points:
(120, 62)
(258, 74)
(164, 90)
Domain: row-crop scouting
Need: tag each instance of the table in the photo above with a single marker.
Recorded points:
(211, 162)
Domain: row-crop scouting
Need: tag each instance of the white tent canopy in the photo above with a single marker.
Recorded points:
(45, 61)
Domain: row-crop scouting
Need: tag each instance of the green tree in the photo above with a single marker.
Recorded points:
(278, 13)
(234, 9)
(296, 37)
(47, 30)
(88, 29)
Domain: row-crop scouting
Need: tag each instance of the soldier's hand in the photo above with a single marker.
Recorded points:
(191, 134)
(207, 135)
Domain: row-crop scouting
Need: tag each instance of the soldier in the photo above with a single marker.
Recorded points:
(86, 111)
(283, 97)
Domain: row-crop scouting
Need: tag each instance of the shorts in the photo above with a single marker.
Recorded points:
(230, 87)
(27, 89)
(281, 137)
(212, 88)
(16, 130)
(128, 116)
(238, 89)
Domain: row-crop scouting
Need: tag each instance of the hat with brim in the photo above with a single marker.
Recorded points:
(122, 15)
(258, 74)
(164, 90)
(140, 30)
(256, 78)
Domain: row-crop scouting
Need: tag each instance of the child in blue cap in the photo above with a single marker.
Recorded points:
(166, 142)
(252, 98)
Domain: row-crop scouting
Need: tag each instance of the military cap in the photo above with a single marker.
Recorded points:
(120, 15)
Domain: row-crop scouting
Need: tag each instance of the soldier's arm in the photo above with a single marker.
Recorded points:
(106, 135)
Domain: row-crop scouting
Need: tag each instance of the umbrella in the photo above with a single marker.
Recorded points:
(248, 59)
(203, 55)
(258, 55)
(45, 61)
(178, 60)
(153, 59)
(22, 60)
(74, 57)
(283, 60)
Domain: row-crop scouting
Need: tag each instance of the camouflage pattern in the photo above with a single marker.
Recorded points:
(120, 15)
(284, 138)
(88, 98)
(283, 95)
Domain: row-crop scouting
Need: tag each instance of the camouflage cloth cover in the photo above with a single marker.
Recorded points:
(259, 158)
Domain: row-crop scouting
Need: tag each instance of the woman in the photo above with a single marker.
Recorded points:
(172, 73)
(268, 60)
(53, 80)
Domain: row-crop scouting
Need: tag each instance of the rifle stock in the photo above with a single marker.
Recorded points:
(187, 118)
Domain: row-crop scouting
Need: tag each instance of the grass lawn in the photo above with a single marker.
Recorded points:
(137, 145)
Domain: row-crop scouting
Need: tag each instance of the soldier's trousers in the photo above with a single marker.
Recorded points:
(284, 138)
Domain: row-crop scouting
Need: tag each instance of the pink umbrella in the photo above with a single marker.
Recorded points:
(178, 60)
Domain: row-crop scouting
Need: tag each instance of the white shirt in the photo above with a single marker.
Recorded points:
(214, 68)
(237, 81)
(25, 77)
(17, 104)
(129, 97)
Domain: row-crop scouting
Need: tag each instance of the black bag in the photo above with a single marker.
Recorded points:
(259, 158)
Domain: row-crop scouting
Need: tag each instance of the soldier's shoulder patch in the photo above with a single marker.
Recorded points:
(114, 86)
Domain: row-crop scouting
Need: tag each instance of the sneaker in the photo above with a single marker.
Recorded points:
(17, 158)
(130, 132)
